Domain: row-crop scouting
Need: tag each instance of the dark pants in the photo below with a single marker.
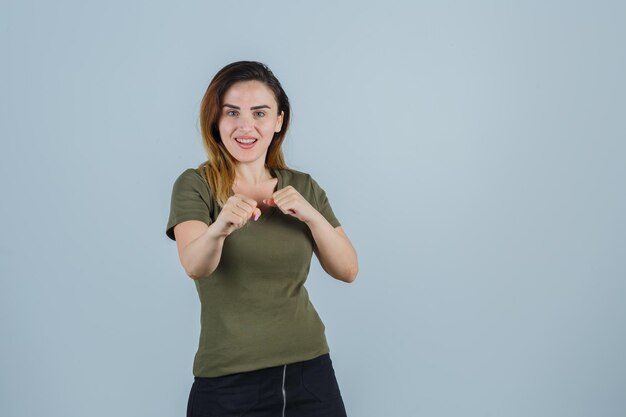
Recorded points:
(302, 389)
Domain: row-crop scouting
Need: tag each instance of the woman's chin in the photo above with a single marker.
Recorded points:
(248, 159)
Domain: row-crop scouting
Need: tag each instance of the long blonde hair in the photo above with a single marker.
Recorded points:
(219, 169)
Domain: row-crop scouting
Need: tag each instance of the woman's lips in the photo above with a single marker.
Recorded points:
(246, 142)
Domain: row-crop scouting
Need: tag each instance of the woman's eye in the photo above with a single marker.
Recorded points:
(259, 113)
(231, 113)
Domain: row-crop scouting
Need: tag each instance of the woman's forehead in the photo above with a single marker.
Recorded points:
(249, 91)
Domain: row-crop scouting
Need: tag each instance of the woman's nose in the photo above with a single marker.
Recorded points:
(246, 123)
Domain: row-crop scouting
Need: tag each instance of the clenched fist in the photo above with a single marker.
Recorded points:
(235, 213)
(291, 202)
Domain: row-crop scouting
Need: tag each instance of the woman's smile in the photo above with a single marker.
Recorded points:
(246, 142)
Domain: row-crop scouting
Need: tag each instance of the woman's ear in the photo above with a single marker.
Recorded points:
(279, 122)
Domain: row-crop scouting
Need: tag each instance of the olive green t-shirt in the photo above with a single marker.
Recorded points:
(255, 310)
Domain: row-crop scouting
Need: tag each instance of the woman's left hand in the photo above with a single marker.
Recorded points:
(291, 202)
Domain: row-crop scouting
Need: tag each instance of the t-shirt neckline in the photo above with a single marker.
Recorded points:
(279, 185)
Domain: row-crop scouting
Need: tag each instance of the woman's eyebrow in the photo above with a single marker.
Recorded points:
(262, 106)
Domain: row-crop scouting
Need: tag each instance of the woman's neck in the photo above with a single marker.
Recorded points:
(251, 174)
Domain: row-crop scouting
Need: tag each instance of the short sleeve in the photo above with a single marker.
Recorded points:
(323, 205)
(191, 200)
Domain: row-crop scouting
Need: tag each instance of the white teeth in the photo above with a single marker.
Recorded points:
(245, 141)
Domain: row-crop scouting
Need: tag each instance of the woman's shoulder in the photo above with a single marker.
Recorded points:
(191, 179)
(191, 174)
(294, 177)
(303, 182)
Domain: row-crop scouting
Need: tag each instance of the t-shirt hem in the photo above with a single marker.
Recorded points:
(235, 370)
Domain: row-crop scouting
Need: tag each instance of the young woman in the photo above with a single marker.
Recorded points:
(246, 227)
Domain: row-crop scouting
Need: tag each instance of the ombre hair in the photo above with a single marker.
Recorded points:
(219, 169)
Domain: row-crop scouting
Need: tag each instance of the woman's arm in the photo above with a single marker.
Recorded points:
(200, 246)
(332, 247)
(334, 250)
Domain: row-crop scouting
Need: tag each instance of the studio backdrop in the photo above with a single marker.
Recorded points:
(474, 152)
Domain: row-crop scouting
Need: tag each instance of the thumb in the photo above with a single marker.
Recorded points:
(270, 202)
(256, 213)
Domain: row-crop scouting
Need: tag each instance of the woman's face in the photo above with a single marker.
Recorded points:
(248, 120)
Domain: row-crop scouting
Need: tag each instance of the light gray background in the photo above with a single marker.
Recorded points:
(474, 152)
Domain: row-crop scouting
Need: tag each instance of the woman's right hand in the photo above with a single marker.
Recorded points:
(235, 213)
